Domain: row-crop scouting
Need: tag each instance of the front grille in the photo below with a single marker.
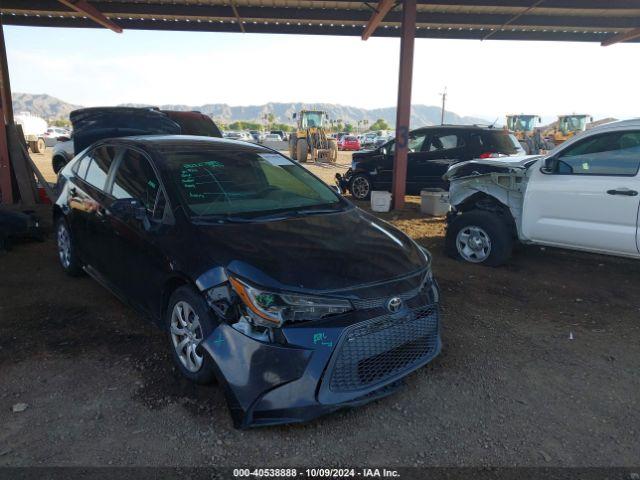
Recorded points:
(367, 303)
(379, 349)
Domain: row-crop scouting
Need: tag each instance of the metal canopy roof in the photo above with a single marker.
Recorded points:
(606, 21)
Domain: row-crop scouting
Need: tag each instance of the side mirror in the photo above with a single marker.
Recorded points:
(383, 150)
(550, 165)
(127, 208)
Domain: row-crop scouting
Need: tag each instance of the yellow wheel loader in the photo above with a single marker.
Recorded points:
(524, 128)
(310, 138)
(567, 126)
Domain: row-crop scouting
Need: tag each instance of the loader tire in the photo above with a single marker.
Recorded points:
(302, 151)
(292, 148)
(333, 151)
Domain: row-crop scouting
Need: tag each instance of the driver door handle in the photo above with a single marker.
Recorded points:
(623, 191)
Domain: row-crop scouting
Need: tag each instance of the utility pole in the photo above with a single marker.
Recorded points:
(444, 100)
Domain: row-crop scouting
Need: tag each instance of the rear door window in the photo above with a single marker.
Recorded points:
(100, 162)
(80, 167)
(444, 141)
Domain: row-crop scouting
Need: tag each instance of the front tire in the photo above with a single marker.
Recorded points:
(67, 249)
(189, 321)
(360, 186)
(479, 237)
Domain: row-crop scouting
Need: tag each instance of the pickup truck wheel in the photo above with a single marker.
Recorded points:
(360, 186)
(479, 237)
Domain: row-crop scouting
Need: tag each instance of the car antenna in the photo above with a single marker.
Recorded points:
(494, 122)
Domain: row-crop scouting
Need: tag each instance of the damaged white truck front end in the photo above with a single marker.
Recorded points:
(486, 199)
(583, 195)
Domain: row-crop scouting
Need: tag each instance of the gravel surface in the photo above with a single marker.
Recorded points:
(539, 368)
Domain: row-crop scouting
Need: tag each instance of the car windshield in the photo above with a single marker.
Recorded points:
(233, 182)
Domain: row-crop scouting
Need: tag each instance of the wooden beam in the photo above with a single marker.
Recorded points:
(384, 6)
(237, 15)
(85, 8)
(6, 112)
(622, 37)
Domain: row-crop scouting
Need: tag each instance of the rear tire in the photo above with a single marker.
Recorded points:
(302, 150)
(67, 255)
(189, 321)
(479, 237)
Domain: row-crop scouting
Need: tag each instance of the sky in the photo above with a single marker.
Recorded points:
(91, 67)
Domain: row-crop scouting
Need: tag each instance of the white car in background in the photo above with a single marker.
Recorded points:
(583, 195)
(52, 134)
(272, 137)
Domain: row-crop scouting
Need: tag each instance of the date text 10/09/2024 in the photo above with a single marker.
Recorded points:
(316, 472)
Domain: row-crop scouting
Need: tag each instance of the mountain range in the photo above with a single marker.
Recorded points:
(52, 108)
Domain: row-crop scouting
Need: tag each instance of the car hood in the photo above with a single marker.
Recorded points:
(482, 166)
(93, 124)
(337, 251)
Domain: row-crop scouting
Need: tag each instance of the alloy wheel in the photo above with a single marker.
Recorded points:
(473, 244)
(64, 245)
(360, 187)
(186, 335)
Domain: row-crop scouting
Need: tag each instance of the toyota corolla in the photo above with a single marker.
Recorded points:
(263, 277)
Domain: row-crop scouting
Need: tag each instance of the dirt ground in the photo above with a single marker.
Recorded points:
(539, 367)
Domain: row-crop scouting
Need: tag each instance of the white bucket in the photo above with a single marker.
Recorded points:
(380, 201)
(434, 201)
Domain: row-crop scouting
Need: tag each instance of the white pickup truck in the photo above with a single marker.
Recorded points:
(583, 195)
(33, 128)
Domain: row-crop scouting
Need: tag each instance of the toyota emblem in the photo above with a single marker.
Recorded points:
(394, 304)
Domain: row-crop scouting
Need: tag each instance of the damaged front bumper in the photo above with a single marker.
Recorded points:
(343, 361)
(342, 181)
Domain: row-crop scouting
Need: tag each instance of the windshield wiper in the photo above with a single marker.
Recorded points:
(222, 218)
(318, 211)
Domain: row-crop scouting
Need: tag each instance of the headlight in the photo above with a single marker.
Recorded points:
(271, 309)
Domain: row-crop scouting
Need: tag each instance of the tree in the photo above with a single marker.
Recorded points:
(348, 128)
(380, 124)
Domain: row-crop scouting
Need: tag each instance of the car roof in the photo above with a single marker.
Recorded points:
(620, 124)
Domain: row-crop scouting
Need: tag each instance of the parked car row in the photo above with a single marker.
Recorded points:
(256, 136)
(202, 235)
